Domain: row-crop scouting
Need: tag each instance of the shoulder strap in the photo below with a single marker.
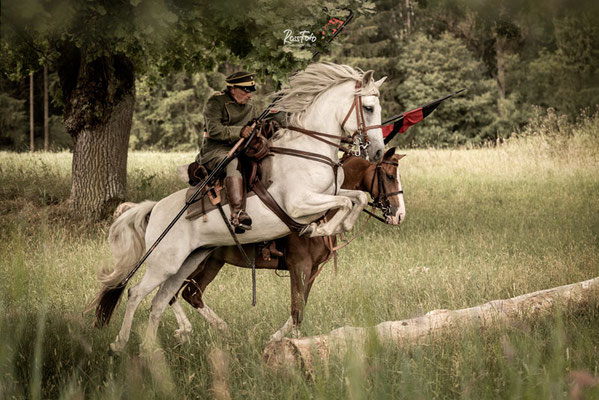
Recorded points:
(272, 204)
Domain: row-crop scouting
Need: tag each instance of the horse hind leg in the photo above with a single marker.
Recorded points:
(167, 291)
(137, 293)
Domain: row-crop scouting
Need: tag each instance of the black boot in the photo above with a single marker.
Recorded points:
(240, 220)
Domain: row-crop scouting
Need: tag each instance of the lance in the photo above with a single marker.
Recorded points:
(400, 123)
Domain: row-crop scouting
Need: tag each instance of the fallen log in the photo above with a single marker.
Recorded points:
(300, 352)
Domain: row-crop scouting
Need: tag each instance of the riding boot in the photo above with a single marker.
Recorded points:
(239, 218)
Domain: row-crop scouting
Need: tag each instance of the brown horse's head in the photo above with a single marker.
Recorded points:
(382, 181)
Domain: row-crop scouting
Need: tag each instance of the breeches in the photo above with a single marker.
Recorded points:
(230, 170)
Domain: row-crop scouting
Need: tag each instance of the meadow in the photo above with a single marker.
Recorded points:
(482, 224)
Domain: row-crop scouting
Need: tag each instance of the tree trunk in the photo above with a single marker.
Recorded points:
(46, 128)
(290, 352)
(500, 44)
(99, 101)
(31, 125)
(408, 17)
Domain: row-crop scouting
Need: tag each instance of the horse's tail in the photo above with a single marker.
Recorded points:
(127, 242)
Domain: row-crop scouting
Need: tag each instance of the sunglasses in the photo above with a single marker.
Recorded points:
(247, 90)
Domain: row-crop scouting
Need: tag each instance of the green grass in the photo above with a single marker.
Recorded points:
(481, 224)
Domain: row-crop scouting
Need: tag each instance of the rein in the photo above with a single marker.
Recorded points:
(359, 137)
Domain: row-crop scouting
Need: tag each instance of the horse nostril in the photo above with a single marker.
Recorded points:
(378, 156)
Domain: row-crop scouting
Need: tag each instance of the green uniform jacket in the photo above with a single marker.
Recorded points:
(224, 118)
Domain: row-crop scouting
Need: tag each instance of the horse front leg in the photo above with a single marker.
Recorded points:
(299, 258)
(318, 203)
(194, 291)
(182, 334)
(360, 200)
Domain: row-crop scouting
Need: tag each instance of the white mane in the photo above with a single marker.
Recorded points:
(305, 87)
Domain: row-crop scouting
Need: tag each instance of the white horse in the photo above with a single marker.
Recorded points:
(321, 99)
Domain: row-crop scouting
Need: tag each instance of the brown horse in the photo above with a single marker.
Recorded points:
(302, 255)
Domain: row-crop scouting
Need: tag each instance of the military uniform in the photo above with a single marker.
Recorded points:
(227, 116)
(224, 118)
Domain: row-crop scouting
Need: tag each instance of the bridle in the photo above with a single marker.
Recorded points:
(382, 198)
(359, 138)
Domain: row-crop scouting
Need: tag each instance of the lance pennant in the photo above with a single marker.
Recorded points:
(401, 123)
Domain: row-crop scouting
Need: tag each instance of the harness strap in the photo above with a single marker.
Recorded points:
(272, 204)
(353, 105)
(393, 193)
(304, 154)
(317, 136)
(310, 156)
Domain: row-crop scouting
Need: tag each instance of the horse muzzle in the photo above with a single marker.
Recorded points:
(396, 219)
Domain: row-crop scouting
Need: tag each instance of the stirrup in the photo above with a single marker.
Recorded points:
(238, 225)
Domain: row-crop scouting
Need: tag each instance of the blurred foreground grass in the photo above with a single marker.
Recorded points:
(481, 224)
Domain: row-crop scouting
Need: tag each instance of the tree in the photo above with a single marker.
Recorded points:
(13, 122)
(433, 67)
(99, 47)
(168, 112)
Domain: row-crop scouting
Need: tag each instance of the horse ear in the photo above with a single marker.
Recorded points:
(380, 82)
(367, 77)
(401, 156)
(389, 153)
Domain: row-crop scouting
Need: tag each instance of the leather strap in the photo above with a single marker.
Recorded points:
(272, 204)
(304, 154)
(310, 156)
(317, 136)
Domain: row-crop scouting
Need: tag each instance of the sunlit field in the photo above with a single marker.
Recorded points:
(482, 224)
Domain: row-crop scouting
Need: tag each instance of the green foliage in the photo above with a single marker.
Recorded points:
(566, 79)
(13, 122)
(431, 68)
(168, 111)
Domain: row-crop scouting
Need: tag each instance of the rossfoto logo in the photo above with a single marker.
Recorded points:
(307, 37)
(301, 38)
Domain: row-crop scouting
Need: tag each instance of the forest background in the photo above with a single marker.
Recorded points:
(515, 60)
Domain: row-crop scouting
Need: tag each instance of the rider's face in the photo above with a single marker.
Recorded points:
(240, 95)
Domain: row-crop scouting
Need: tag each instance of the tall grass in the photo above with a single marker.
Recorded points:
(481, 224)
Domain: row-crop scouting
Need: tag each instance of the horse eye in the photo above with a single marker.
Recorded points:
(368, 108)
(390, 176)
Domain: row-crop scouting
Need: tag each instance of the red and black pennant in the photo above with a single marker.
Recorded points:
(401, 123)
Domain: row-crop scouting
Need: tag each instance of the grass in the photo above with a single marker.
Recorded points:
(481, 224)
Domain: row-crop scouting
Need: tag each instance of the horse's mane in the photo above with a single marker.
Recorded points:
(305, 87)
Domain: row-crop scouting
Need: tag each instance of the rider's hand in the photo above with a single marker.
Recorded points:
(246, 131)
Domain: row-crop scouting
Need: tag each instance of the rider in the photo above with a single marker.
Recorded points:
(227, 117)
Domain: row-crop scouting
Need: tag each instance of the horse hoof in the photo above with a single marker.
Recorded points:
(181, 336)
(223, 328)
(307, 230)
(275, 337)
(115, 349)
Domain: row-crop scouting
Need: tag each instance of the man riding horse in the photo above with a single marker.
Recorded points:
(228, 117)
